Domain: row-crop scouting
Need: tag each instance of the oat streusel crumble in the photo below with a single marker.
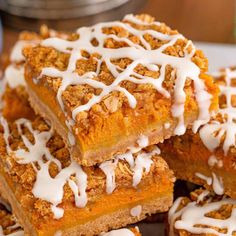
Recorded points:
(104, 85)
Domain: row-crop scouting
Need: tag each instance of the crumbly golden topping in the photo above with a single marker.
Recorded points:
(117, 36)
(212, 215)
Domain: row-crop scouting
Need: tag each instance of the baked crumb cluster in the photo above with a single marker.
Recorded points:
(203, 213)
(121, 66)
(8, 223)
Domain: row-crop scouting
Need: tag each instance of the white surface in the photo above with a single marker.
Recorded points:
(219, 55)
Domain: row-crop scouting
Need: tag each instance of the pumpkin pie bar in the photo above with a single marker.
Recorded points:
(52, 194)
(105, 85)
(202, 214)
(208, 157)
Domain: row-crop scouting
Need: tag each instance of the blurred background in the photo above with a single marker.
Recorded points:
(199, 20)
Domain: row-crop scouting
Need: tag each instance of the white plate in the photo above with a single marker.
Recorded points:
(219, 55)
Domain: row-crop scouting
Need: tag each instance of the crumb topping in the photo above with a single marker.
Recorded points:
(204, 213)
(113, 66)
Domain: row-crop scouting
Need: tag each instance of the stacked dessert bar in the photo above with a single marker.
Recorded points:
(81, 116)
(207, 158)
(209, 155)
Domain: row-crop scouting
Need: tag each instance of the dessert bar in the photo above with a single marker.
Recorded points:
(208, 157)
(105, 85)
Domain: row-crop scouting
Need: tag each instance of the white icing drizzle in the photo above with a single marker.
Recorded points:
(217, 184)
(212, 133)
(108, 167)
(184, 67)
(51, 189)
(192, 215)
(45, 187)
(142, 162)
(38, 148)
(143, 141)
(16, 53)
(119, 232)
(212, 161)
(202, 196)
(173, 214)
(136, 211)
(215, 181)
(203, 177)
(14, 73)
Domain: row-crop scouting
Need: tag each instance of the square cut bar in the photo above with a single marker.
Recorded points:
(105, 85)
(209, 157)
(202, 214)
(50, 193)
